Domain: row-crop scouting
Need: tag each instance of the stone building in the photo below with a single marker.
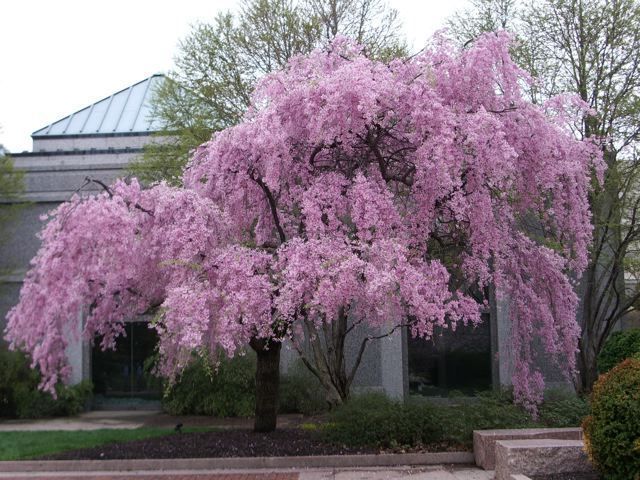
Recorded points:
(99, 141)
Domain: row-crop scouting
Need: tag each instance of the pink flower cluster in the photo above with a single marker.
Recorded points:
(394, 191)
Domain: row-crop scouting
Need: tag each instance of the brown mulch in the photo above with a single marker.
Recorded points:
(567, 476)
(227, 443)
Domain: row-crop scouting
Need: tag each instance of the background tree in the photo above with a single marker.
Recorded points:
(218, 65)
(483, 16)
(11, 187)
(332, 200)
(591, 48)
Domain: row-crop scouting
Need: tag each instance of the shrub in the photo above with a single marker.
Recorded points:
(301, 392)
(374, 420)
(226, 391)
(71, 400)
(563, 409)
(488, 410)
(618, 347)
(612, 431)
(20, 397)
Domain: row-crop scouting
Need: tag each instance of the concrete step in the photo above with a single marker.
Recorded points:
(540, 457)
(484, 441)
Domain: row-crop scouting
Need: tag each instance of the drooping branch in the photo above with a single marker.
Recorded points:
(110, 193)
(272, 204)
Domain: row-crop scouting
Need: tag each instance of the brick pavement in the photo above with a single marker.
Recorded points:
(171, 476)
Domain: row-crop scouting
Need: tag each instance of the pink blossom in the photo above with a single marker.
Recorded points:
(393, 191)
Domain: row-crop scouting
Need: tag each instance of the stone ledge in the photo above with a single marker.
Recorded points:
(484, 441)
(328, 461)
(540, 457)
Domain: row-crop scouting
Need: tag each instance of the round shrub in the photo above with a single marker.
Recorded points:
(612, 431)
(618, 347)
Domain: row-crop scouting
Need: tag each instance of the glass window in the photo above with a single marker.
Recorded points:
(121, 372)
(452, 360)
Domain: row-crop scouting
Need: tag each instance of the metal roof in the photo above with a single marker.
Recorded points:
(126, 111)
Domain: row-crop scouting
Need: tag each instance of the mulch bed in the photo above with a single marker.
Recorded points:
(227, 443)
(568, 476)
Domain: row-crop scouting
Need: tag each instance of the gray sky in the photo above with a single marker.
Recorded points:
(57, 57)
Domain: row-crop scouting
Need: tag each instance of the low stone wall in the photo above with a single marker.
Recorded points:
(484, 441)
(540, 457)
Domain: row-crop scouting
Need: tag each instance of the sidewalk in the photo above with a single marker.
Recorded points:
(130, 419)
(398, 473)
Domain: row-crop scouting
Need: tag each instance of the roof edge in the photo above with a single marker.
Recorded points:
(37, 134)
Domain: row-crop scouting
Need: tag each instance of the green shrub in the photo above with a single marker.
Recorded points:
(301, 392)
(488, 410)
(563, 409)
(20, 397)
(71, 400)
(374, 420)
(612, 431)
(227, 391)
(618, 347)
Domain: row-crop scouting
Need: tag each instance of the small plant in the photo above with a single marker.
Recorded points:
(612, 431)
(226, 390)
(618, 347)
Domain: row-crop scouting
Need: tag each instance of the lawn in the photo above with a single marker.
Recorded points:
(24, 445)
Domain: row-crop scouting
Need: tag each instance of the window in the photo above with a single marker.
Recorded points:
(452, 360)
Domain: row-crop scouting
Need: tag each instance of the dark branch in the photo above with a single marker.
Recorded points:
(272, 204)
(110, 193)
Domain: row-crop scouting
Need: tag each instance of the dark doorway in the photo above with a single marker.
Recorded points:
(121, 373)
(457, 360)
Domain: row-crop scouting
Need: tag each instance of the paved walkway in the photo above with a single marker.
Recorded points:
(130, 419)
(426, 473)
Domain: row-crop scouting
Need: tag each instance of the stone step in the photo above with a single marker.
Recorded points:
(484, 441)
(540, 457)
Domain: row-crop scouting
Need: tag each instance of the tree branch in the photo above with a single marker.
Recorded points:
(272, 204)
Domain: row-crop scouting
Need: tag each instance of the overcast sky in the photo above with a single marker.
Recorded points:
(57, 57)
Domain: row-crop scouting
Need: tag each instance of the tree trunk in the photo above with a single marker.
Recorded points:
(267, 383)
(602, 290)
(587, 368)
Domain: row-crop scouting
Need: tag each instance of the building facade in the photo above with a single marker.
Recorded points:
(98, 142)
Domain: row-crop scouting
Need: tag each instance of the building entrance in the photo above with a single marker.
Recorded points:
(121, 373)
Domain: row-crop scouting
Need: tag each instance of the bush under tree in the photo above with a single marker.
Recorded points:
(377, 421)
(21, 398)
(225, 389)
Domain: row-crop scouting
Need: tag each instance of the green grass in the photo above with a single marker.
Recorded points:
(25, 445)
